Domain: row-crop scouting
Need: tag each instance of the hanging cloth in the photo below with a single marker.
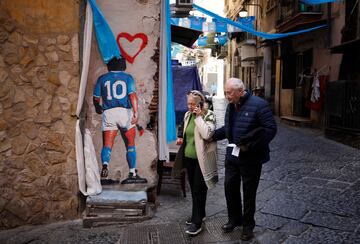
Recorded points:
(318, 105)
(315, 93)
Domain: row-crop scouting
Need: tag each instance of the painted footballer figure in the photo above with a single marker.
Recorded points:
(115, 98)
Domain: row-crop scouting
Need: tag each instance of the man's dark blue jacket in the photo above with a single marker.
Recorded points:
(254, 126)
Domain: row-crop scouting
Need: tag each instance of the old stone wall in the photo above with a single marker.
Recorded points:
(39, 79)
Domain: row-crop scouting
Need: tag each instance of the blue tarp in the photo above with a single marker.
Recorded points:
(185, 78)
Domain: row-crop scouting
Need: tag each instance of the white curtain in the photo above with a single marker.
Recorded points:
(87, 169)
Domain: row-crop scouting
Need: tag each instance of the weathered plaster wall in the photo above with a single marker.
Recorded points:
(132, 17)
(39, 77)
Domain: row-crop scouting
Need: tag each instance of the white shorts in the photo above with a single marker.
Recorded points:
(117, 118)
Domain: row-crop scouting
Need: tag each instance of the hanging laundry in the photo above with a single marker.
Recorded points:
(315, 93)
(318, 105)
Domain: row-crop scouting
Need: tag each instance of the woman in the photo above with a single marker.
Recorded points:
(198, 156)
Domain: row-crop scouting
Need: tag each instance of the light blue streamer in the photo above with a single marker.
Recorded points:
(252, 31)
(104, 36)
(170, 108)
(315, 2)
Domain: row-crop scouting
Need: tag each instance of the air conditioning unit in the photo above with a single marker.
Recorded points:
(181, 8)
(184, 3)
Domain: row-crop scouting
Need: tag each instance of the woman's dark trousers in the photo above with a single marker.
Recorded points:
(198, 190)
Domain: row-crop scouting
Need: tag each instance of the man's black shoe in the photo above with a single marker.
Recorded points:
(193, 229)
(228, 227)
(188, 222)
(134, 179)
(247, 234)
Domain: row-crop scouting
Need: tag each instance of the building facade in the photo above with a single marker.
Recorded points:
(41, 50)
(294, 73)
(40, 71)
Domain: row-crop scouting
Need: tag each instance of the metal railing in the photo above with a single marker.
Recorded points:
(342, 105)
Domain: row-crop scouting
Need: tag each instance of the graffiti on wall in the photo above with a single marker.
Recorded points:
(114, 97)
(125, 38)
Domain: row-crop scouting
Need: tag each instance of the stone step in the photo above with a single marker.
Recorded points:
(116, 207)
(297, 121)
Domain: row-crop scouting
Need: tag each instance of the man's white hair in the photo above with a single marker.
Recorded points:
(236, 83)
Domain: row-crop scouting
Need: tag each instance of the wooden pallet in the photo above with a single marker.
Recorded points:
(116, 207)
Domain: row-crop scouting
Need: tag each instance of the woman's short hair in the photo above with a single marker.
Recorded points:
(196, 93)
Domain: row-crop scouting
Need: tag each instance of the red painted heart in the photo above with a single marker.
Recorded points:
(131, 38)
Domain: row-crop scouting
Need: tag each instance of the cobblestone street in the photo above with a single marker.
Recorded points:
(309, 193)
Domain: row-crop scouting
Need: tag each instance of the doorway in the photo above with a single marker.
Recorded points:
(304, 80)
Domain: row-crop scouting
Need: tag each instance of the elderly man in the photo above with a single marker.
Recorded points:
(249, 128)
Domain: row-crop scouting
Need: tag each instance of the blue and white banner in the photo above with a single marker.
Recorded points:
(251, 30)
(209, 27)
(220, 26)
(221, 39)
(196, 23)
(202, 41)
(247, 21)
(200, 24)
(314, 2)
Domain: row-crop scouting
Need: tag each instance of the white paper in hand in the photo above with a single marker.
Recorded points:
(236, 151)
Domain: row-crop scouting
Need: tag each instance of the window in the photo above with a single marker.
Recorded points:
(184, 2)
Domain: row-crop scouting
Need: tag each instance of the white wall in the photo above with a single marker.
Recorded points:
(132, 17)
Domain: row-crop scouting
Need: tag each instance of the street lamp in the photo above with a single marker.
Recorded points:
(243, 12)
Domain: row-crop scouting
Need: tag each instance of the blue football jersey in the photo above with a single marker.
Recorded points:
(114, 88)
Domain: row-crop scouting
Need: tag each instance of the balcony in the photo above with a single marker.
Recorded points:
(295, 14)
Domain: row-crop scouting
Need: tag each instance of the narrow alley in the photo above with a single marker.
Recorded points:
(309, 193)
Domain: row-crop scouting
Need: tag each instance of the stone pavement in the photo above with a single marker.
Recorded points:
(309, 193)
